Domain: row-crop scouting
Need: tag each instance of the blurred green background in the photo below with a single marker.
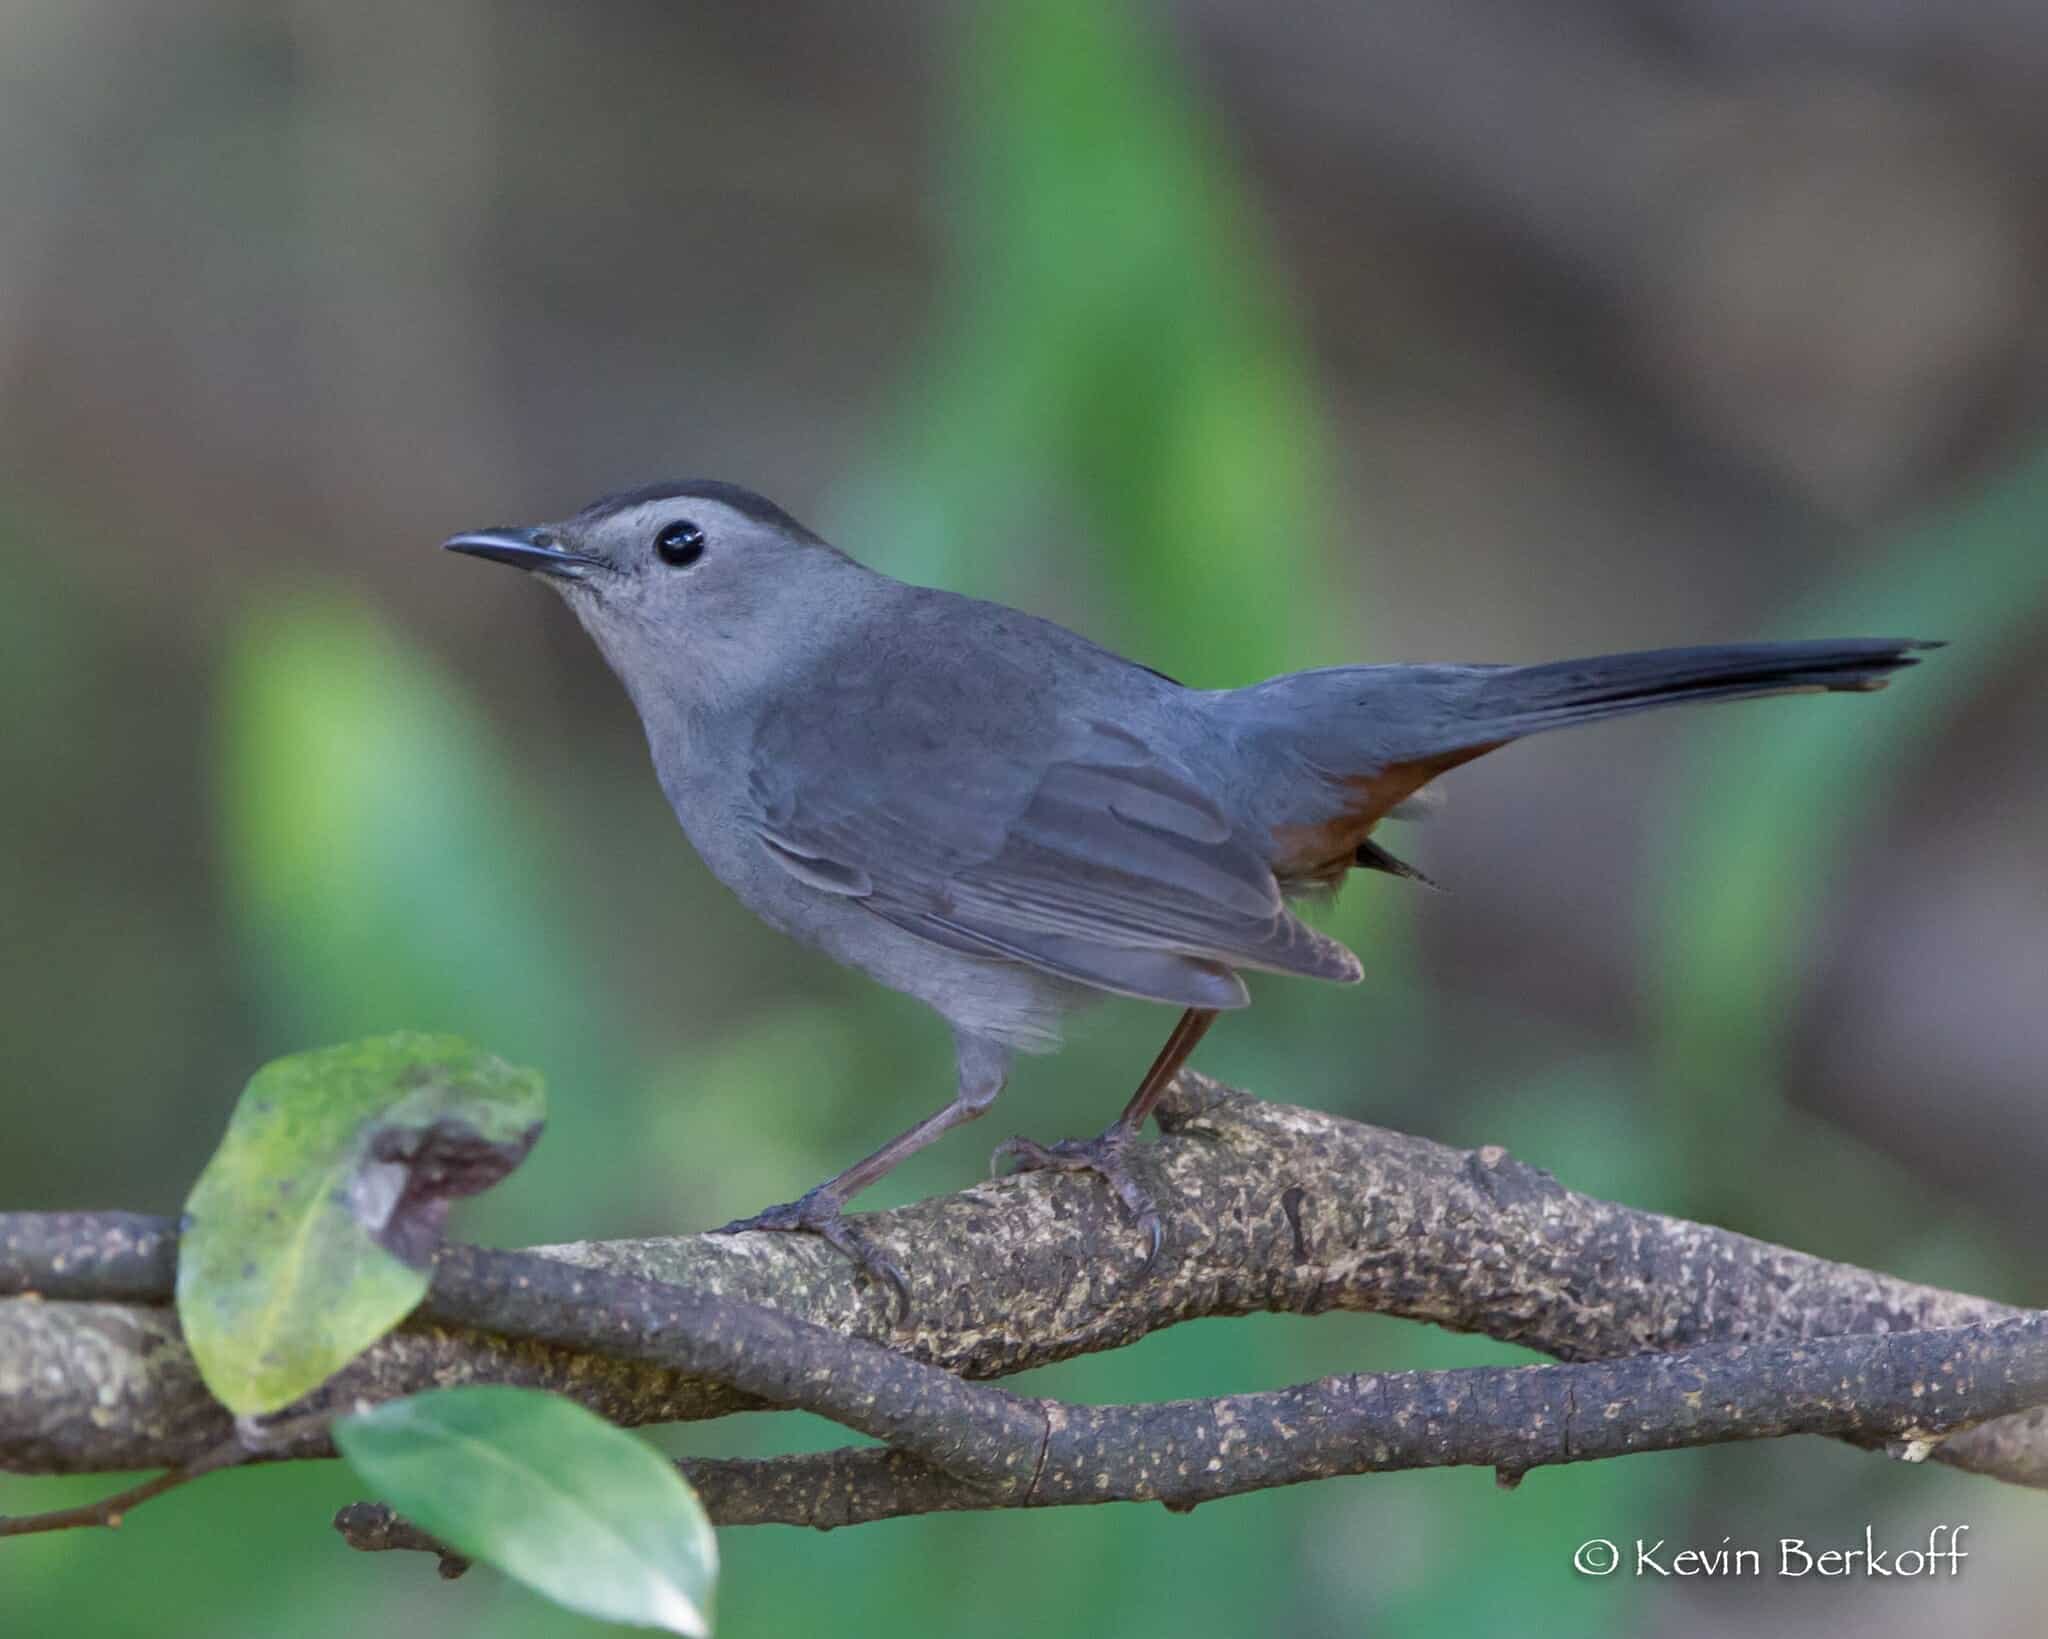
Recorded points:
(1242, 338)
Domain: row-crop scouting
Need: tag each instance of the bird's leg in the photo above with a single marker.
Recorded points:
(1104, 1154)
(984, 1066)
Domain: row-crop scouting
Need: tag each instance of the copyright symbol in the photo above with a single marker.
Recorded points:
(1596, 1558)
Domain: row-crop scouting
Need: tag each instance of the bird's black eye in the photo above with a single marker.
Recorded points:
(680, 543)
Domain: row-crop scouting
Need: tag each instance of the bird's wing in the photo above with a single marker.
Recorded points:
(1077, 850)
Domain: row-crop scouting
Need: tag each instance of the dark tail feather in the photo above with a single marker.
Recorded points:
(1377, 734)
(1518, 700)
(1372, 857)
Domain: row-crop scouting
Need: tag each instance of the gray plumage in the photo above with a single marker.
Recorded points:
(1003, 819)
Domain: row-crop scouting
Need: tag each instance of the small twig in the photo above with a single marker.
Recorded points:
(248, 1442)
(375, 1527)
(110, 1511)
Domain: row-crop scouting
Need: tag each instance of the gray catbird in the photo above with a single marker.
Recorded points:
(1005, 820)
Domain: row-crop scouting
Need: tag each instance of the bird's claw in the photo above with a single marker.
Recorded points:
(1102, 1155)
(824, 1216)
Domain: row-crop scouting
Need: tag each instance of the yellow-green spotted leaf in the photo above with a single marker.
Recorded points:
(548, 1493)
(312, 1230)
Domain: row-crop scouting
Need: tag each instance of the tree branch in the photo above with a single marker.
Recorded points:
(241, 1447)
(1511, 1419)
(1267, 1207)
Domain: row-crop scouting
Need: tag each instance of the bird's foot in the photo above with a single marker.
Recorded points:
(1104, 1155)
(822, 1213)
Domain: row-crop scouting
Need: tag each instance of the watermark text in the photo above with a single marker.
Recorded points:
(1939, 1556)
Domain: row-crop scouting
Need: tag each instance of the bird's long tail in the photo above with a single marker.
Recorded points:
(1512, 701)
(1377, 734)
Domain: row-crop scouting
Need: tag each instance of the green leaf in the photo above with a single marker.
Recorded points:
(548, 1493)
(311, 1232)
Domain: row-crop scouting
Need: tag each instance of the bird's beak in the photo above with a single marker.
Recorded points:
(524, 549)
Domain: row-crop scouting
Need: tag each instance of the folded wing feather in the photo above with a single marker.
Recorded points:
(1106, 865)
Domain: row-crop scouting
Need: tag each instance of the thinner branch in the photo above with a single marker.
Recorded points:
(1904, 1391)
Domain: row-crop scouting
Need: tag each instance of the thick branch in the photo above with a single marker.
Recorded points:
(1021, 1452)
(1267, 1207)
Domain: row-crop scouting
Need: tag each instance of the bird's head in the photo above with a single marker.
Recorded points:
(695, 584)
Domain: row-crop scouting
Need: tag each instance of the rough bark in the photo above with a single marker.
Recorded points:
(1901, 1389)
(1267, 1207)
